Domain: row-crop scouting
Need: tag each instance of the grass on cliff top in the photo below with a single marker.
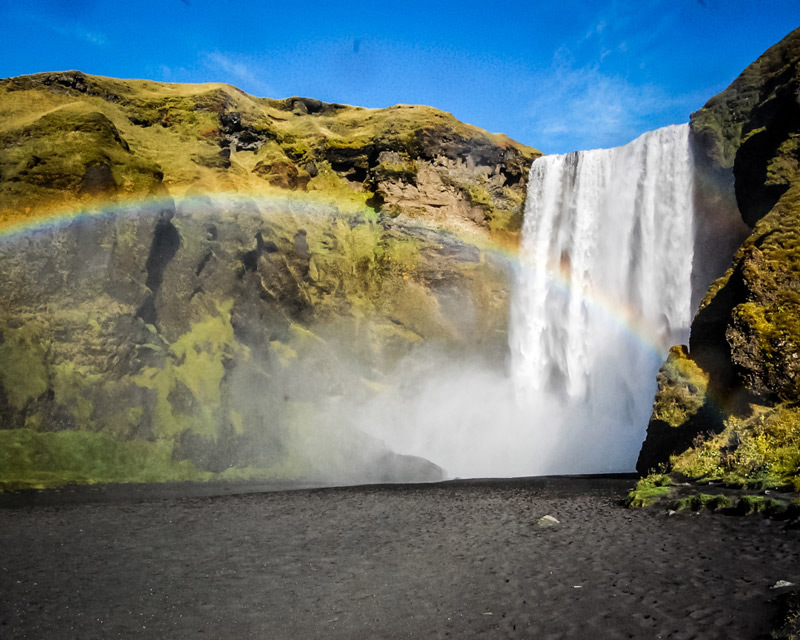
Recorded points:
(176, 130)
(357, 127)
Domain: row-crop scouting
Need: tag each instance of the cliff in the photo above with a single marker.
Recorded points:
(241, 276)
(727, 408)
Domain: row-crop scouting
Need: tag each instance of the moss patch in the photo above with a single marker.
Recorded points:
(24, 373)
(681, 389)
(192, 377)
(760, 451)
(43, 460)
(649, 490)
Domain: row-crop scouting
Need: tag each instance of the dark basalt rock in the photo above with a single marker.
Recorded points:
(310, 106)
(98, 179)
(241, 136)
(62, 82)
(393, 468)
(282, 173)
(764, 161)
(746, 127)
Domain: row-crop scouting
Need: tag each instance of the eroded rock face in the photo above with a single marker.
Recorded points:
(682, 411)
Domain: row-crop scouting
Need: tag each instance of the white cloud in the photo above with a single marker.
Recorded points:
(596, 91)
(78, 32)
(586, 108)
(240, 73)
(75, 31)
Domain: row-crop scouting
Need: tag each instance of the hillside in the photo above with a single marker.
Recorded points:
(74, 140)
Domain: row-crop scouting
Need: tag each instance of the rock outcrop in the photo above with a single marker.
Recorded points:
(731, 400)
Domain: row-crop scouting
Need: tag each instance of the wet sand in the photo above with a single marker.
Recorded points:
(453, 560)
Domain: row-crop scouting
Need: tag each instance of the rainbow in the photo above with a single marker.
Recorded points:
(310, 204)
(53, 218)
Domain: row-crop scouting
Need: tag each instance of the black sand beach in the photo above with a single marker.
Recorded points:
(454, 560)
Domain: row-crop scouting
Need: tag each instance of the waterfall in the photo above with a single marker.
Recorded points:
(604, 291)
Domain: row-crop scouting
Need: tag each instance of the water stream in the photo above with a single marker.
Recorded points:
(604, 291)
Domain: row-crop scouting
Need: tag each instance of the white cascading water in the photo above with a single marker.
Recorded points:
(604, 290)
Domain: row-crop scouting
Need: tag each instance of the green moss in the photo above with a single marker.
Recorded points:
(271, 151)
(700, 501)
(72, 388)
(404, 170)
(301, 149)
(784, 167)
(703, 460)
(649, 490)
(682, 386)
(400, 256)
(761, 504)
(330, 185)
(196, 369)
(123, 423)
(505, 222)
(719, 502)
(347, 261)
(42, 460)
(283, 352)
(51, 157)
(480, 196)
(24, 373)
(356, 142)
(770, 446)
(761, 451)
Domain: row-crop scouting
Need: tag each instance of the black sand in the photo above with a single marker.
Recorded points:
(458, 560)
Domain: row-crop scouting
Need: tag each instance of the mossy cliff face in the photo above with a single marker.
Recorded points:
(69, 139)
(292, 257)
(726, 409)
(215, 338)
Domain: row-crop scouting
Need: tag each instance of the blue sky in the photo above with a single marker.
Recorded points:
(559, 75)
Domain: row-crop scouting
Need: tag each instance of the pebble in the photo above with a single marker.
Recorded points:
(780, 584)
(547, 521)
